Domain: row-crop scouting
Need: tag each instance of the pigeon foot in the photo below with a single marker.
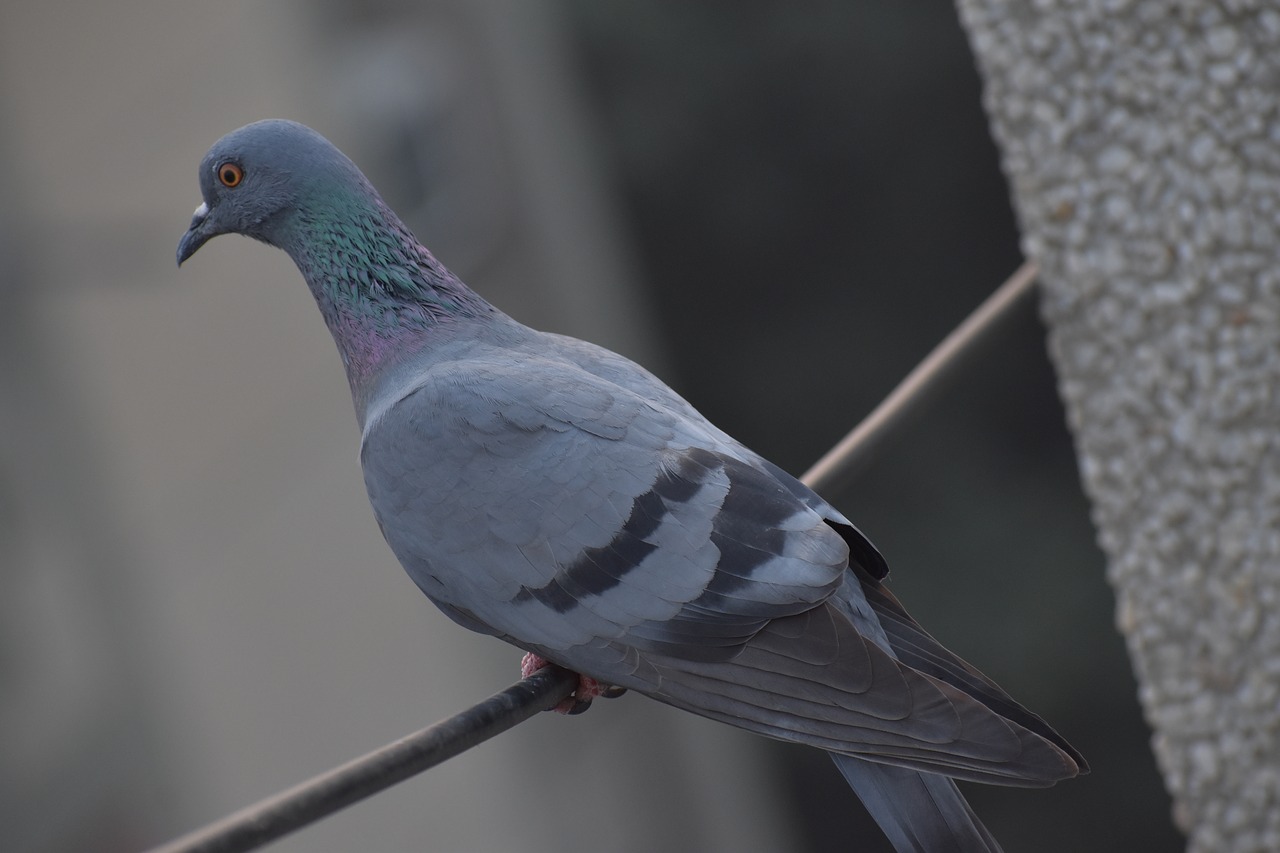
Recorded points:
(588, 688)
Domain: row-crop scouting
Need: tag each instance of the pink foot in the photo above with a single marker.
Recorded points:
(588, 688)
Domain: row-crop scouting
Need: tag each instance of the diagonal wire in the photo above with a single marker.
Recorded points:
(320, 796)
(834, 470)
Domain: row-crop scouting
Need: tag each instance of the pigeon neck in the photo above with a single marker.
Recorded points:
(382, 294)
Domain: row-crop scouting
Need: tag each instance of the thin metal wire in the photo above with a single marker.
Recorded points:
(308, 802)
(835, 469)
(322, 795)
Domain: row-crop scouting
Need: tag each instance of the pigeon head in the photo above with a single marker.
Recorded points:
(266, 177)
(378, 288)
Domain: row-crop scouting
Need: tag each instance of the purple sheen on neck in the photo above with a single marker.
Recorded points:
(368, 346)
(383, 295)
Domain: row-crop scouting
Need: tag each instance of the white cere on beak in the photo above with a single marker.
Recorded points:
(201, 212)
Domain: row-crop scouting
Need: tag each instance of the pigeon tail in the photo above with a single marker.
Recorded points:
(919, 812)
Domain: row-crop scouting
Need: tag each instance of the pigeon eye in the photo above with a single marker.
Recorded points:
(230, 175)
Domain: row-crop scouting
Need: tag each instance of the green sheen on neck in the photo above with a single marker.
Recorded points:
(378, 288)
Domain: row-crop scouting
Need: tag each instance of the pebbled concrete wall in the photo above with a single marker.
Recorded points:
(1142, 145)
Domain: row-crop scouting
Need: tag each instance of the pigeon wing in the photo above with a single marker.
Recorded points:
(561, 509)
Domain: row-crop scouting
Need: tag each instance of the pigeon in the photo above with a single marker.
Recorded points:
(558, 496)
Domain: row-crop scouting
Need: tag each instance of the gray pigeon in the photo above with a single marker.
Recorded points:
(554, 494)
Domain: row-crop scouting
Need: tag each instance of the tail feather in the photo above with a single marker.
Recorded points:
(914, 646)
(919, 812)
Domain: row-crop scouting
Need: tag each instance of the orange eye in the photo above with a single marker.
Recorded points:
(230, 175)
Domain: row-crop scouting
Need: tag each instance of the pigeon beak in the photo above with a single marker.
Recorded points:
(196, 235)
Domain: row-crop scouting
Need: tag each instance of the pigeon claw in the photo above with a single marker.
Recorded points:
(580, 700)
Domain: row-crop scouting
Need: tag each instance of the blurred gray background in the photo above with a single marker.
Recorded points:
(780, 207)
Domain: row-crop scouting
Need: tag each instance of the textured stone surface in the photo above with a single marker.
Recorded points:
(1142, 143)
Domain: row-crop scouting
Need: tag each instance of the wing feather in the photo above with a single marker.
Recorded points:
(618, 533)
(578, 510)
